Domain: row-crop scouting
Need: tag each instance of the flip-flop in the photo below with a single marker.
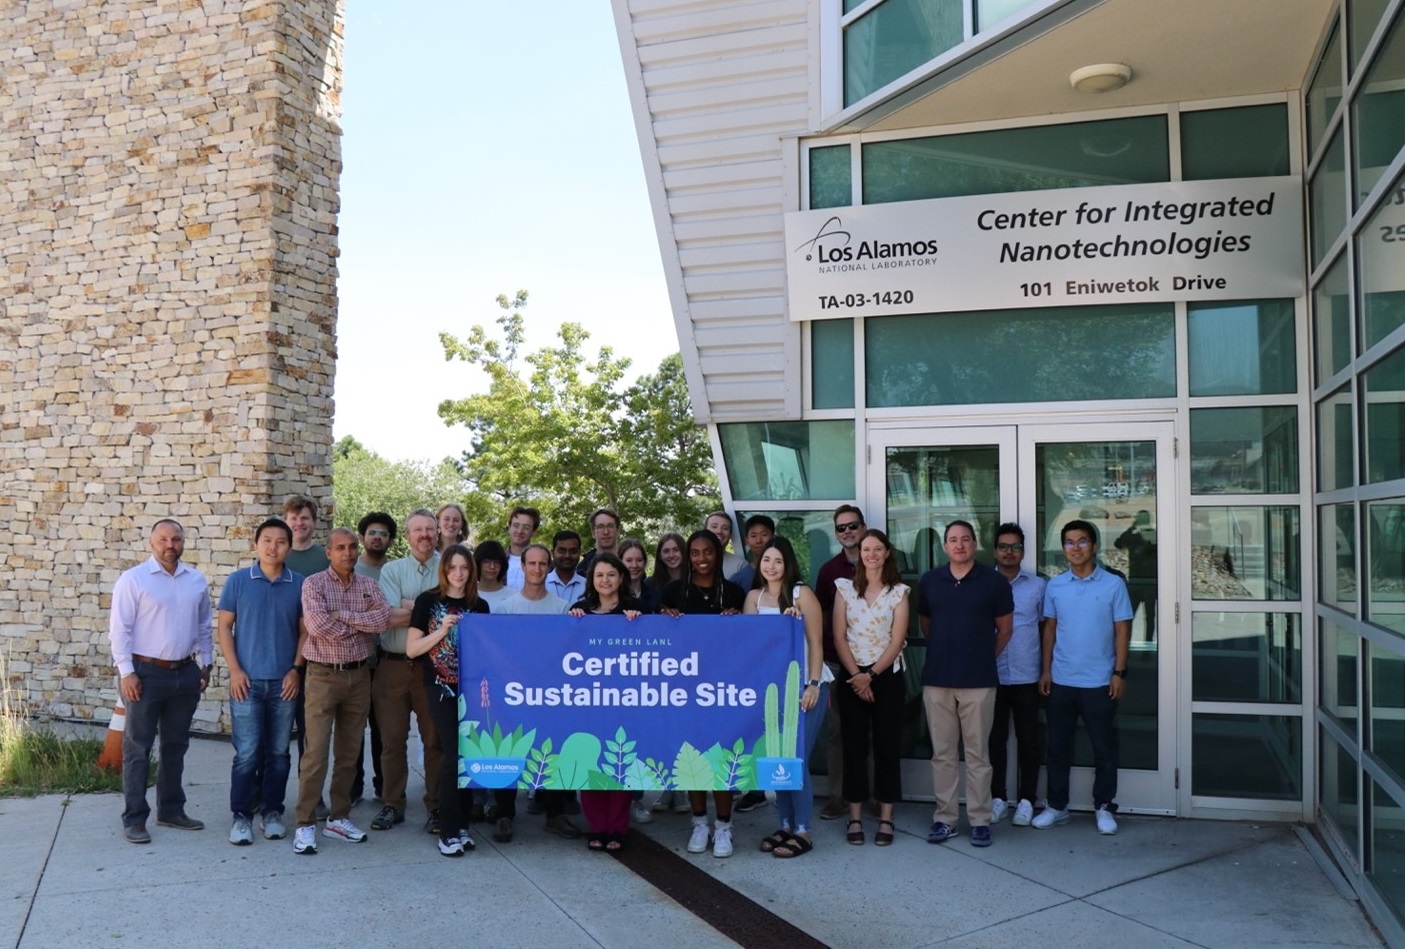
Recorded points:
(775, 840)
(793, 846)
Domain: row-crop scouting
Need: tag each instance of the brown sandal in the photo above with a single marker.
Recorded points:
(881, 837)
(775, 840)
(793, 846)
(855, 837)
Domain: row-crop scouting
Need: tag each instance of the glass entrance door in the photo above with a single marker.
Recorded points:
(1119, 478)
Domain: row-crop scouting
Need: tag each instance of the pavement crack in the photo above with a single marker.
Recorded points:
(39, 877)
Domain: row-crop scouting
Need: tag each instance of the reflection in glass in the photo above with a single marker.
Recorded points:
(1380, 248)
(1331, 321)
(1246, 657)
(832, 364)
(1385, 418)
(990, 12)
(1338, 671)
(1388, 707)
(1336, 556)
(831, 173)
(1242, 348)
(789, 460)
(930, 487)
(811, 533)
(1335, 441)
(1033, 158)
(1386, 869)
(1244, 450)
(1245, 142)
(1256, 756)
(1376, 112)
(1112, 485)
(1325, 91)
(1245, 553)
(894, 39)
(1385, 564)
(1362, 17)
(1327, 194)
(1066, 354)
(1338, 779)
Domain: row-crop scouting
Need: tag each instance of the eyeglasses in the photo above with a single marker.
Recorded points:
(378, 533)
(1009, 548)
(845, 528)
(1080, 543)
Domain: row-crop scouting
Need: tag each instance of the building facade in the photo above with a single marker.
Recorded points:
(1031, 260)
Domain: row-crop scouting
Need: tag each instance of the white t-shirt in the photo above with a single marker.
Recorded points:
(518, 605)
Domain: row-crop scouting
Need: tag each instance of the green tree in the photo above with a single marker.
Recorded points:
(363, 481)
(560, 429)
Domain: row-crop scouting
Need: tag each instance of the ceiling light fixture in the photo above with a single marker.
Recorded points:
(1103, 77)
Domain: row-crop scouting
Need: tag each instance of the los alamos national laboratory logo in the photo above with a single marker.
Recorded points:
(833, 248)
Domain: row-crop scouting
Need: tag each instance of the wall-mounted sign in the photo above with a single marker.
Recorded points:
(1230, 239)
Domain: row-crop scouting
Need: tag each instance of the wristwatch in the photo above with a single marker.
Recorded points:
(1120, 673)
(813, 682)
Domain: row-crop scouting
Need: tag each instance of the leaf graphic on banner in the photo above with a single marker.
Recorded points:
(692, 771)
(619, 754)
(599, 781)
(580, 755)
(717, 761)
(660, 771)
(540, 764)
(520, 744)
(641, 776)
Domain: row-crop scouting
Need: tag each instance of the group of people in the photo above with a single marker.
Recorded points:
(322, 641)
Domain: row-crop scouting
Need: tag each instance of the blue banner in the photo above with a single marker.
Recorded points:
(697, 703)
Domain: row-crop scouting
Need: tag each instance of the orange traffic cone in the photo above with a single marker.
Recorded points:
(111, 757)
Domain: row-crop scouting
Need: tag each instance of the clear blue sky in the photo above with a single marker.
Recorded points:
(487, 148)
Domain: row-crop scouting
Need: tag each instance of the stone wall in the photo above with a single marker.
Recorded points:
(168, 202)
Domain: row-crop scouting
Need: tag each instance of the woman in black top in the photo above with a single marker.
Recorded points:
(702, 590)
(434, 632)
(606, 812)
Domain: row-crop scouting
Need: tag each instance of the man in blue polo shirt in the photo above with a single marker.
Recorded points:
(260, 633)
(1088, 623)
(966, 611)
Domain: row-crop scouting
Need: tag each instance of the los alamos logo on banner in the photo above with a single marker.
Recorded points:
(696, 703)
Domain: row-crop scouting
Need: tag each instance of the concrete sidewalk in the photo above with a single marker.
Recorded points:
(68, 878)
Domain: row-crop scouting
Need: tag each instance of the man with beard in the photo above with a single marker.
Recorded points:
(377, 532)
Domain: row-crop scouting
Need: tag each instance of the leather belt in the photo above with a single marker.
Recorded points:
(340, 666)
(163, 663)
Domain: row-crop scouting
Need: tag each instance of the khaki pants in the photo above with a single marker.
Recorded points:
(965, 715)
(399, 690)
(337, 703)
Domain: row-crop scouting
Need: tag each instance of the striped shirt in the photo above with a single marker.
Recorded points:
(342, 617)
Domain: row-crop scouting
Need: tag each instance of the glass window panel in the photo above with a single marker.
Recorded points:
(1336, 556)
(1340, 647)
(1385, 564)
(789, 460)
(1246, 657)
(927, 488)
(1335, 438)
(1249, 142)
(1325, 91)
(1380, 248)
(1058, 354)
(831, 177)
(1384, 395)
(851, 4)
(1242, 348)
(991, 12)
(895, 38)
(1388, 707)
(1245, 553)
(1331, 319)
(811, 533)
(1378, 112)
(1338, 777)
(1327, 195)
(832, 364)
(1252, 450)
(1254, 756)
(1386, 868)
(1076, 155)
(1362, 17)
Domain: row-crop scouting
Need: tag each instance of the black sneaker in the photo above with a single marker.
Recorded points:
(387, 818)
(431, 824)
(750, 801)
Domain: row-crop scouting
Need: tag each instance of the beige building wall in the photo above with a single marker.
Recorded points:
(168, 204)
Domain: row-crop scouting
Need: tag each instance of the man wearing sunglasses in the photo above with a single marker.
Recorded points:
(1017, 695)
(849, 527)
(1088, 621)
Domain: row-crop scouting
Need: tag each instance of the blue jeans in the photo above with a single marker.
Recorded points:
(263, 724)
(167, 705)
(796, 807)
(1098, 710)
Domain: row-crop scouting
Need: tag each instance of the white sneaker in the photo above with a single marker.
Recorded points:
(641, 813)
(681, 804)
(1107, 824)
(665, 802)
(241, 832)
(343, 829)
(998, 810)
(722, 839)
(1024, 813)
(1049, 817)
(697, 843)
(305, 839)
(451, 846)
(273, 828)
(466, 838)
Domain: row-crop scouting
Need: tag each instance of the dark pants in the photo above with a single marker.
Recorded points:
(454, 803)
(873, 726)
(1022, 703)
(167, 705)
(1098, 711)
(553, 802)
